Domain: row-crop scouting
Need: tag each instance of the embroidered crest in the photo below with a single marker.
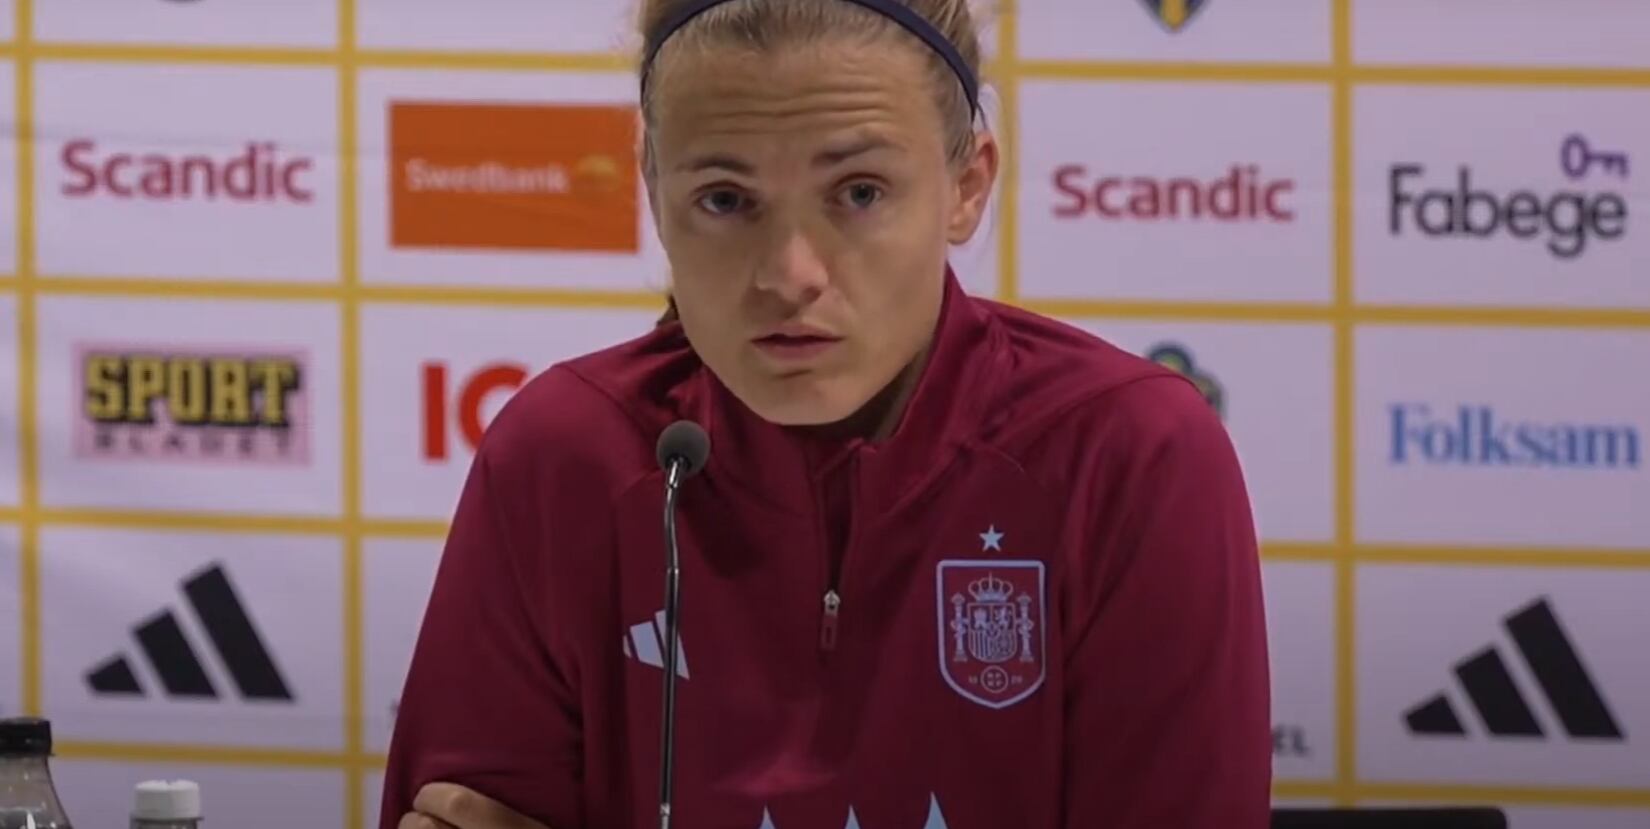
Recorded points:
(991, 621)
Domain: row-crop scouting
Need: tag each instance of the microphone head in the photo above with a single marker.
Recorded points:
(684, 440)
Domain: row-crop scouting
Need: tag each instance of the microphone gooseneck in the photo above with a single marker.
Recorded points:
(682, 451)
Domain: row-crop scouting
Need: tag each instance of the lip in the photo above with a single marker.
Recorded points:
(795, 342)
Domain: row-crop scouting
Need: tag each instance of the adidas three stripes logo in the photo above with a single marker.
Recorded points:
(168, 652)
(645, 643)
(1556, 666)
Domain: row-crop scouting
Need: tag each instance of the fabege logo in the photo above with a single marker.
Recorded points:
(1566, 219)
(1479, 436)
(1243, 194)
(514, 177)
(260, 172)
(174, 403)
(489, 385)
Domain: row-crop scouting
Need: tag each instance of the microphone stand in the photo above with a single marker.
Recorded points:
(673, 587)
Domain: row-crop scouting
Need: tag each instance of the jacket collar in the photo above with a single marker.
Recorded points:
(780, 465)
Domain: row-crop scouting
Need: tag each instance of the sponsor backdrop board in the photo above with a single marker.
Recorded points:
(266, 278)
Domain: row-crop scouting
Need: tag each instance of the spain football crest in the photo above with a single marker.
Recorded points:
(991, 629)
(1175, 14)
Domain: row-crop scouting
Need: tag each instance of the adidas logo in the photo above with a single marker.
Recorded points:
(935, 820)
(1556, 666)
(644, 643)
(174, 661)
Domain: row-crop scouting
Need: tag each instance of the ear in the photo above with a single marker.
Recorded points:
(974, 183)
(644, 154)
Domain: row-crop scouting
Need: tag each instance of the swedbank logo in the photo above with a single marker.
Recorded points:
(531, 176)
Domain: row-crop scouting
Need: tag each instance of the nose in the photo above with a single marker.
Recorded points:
(796, 272)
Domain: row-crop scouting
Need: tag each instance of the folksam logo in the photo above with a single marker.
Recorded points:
(1479, 435)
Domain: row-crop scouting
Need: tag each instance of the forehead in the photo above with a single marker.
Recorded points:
(809, 94)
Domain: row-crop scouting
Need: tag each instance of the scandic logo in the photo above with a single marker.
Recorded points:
(489, 383)
(1553, 660)
(259, 172)
(1243, 194)
(178, 403)
(514, 177)
(1568, 218)
(1478, 436)
(179, 668)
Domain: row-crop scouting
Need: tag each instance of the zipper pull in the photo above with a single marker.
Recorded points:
(827, 629)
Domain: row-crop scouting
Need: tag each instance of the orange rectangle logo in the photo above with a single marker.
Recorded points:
(514, 176)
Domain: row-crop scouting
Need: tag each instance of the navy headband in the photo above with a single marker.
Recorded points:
(891, 9)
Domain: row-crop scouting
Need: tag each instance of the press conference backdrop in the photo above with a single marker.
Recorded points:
(273, 267)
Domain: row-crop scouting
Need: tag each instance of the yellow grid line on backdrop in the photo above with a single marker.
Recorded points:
(1346, 722)
(28, 453)
(1005, 65)
(1581, 558)
(1341, 75)
(349, 267)
(1271, 312)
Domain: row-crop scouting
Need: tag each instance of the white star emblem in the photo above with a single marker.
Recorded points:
(992, 539)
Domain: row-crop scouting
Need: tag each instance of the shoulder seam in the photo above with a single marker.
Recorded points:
(629, 413)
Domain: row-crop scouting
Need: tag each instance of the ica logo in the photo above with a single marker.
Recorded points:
(464, 400)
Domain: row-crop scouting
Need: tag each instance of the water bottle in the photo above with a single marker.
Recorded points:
(28, 800)
(166, 804)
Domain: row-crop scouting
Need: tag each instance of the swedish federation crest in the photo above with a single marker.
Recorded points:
(1175, 14)
(991, 629)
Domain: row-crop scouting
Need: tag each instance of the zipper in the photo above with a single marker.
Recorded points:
(831, 616)
(827, 627)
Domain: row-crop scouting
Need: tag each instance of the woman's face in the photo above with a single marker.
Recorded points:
(806, 205)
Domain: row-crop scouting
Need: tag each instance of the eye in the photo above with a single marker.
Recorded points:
(721, 201)
(861, 194)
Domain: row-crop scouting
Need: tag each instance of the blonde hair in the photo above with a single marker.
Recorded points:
(772, 24)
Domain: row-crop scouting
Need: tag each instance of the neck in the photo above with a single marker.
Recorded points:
(877, 419)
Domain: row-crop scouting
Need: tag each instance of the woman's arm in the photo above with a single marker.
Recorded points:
(1167, 678)
(486, 705)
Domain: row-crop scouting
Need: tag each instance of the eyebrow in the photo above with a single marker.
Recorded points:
(825, 158)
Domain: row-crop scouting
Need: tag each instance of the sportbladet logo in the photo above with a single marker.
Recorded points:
(1566, 220)
(1480, 435)
(163, 402)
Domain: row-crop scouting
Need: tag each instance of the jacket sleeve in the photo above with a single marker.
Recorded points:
(1167, 677)
(485, 705)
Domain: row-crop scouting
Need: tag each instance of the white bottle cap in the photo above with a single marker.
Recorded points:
(167, 800)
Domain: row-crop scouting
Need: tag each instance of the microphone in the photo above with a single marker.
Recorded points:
(682, 451)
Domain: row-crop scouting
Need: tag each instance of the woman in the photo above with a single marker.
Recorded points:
(950, 564)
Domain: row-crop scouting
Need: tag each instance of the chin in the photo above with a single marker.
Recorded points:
(802, 402)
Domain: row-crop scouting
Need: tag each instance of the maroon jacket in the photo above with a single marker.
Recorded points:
(1050, 608)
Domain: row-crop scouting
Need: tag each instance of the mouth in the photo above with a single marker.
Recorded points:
(796, 344)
